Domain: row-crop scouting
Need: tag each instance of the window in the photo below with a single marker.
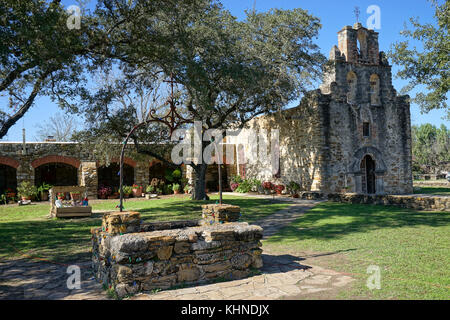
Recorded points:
(374, 90)
(366, 129)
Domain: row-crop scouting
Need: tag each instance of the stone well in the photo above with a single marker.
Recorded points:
(130, 256)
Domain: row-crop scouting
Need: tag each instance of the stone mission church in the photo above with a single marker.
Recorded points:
(351, 135)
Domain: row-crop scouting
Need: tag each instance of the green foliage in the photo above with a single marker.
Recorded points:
(44, 187)
(27, 189)
(150, 189)
(237, 179)
(167, 189)
(293, 187)
(176, 187)
(430, 147)
(38, 46)
(3, 199)
(127, 189)
(429, 66)
(247, 185)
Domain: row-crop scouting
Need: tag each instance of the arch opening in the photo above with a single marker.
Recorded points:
(8, 179)
(56, 174)
(367, 166)
(108, 176)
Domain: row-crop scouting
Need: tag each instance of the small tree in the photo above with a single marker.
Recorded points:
(429, 66)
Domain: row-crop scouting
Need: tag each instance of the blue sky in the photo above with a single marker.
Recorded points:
(333, 15)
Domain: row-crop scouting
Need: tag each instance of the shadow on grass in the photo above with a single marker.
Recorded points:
(56, 240)
(433, 190)
(251, 209)
(65, 240)
(335, 220)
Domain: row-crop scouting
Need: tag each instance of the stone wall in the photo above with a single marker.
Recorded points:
(70, 153)
(417, 202)
(130, 256)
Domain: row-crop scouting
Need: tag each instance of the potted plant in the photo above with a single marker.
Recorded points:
(150, 189)
(3, 199)
(187, 189)
(268, 187)
(137, 190)
(293, 188)
(127, 190)
(61, 195)
(279, 188)
(176, 188)
(43, 191)
(167, 189)
(104, 192)
(10, 193)
(26, 190)
(75, 195)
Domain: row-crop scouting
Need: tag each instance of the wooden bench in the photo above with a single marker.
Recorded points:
(68, 212)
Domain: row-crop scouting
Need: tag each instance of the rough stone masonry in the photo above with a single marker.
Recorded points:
(130, 256)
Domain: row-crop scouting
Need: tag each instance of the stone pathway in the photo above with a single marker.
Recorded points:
(283, 276)
(30, 279)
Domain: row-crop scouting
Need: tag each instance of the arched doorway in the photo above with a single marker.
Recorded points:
(108, 176)
(8, 178)
(56, 174)
(157, 170)
(368, 178)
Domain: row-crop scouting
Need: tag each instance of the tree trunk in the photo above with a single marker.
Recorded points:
(199, 193)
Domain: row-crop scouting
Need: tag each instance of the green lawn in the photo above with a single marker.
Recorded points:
(432, 190)
(411, 248)
(26, 229)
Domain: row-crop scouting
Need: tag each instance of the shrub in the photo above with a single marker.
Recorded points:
(127, 190)
(278, 188)
(26, 189)
(245, 186)
(150, 189)
(167, 189)
(293, 187)
(234, 186)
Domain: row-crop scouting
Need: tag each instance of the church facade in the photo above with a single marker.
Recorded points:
(353, 134)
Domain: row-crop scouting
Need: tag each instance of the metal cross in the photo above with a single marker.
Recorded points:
(357, 12)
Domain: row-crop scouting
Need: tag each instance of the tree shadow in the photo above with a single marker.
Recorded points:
(335, 220)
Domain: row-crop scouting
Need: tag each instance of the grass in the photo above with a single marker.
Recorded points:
(410, 247)
(432, 190)
(27, 230)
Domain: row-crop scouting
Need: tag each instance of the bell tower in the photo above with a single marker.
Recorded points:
(359, 45)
